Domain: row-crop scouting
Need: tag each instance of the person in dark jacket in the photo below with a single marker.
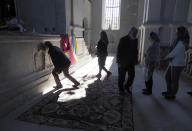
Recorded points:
(102, 53)
(61, 63)
(127, 58)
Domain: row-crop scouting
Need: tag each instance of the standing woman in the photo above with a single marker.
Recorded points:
(102, 53)
(152, 57)
(176, 59)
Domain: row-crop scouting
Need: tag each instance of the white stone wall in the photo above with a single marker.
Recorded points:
(140, 11)
(128, 18)
(20, 55)
(76, 12)
(82, 9)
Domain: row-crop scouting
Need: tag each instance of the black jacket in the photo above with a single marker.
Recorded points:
(127, 51)
(102, 49)
(59, 59)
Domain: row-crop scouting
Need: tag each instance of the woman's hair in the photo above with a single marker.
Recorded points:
(154, 37)
(183, 35)
(104, 37)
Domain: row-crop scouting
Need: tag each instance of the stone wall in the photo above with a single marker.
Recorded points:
(44, 16)
(78, 19)
(128, 18)
(24, 68)
(188, 69)
(20, 56)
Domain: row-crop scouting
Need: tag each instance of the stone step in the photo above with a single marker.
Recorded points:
(34, 89)
(20, 87)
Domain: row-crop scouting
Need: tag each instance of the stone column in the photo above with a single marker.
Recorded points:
(152, 11)
(60, 16)
(181, 11)
(151, 22)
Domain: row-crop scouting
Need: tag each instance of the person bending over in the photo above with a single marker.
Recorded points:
(61, 63)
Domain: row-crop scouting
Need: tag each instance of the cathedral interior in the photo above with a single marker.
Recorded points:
(28, 99)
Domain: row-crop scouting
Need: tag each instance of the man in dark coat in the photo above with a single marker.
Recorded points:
(61, 63)
(127, 58)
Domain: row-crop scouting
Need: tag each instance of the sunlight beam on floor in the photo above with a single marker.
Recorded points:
(89, 70)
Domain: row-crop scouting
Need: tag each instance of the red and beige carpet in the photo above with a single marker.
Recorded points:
(95, 106)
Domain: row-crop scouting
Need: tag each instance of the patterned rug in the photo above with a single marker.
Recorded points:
(94, 106)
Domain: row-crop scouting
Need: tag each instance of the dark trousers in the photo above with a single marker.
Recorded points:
(122, 70)
(172, 79)
(149, 84)
(101, 62)
(66, 73)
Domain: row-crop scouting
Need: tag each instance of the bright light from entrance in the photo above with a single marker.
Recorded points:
(89, 71)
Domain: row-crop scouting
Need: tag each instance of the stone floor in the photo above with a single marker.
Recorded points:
(157, 114)
(151, 113)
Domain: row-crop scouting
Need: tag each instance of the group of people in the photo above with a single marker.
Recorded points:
(127, 58)
(62, 63)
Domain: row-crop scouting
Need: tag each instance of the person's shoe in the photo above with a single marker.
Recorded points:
(58, 86)
(98, 75)
(168, 97)
(189, 93)
(145, 89)
(147, 92)
(76, 84)
(128, 90)
(164, 93)
(109, 74)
